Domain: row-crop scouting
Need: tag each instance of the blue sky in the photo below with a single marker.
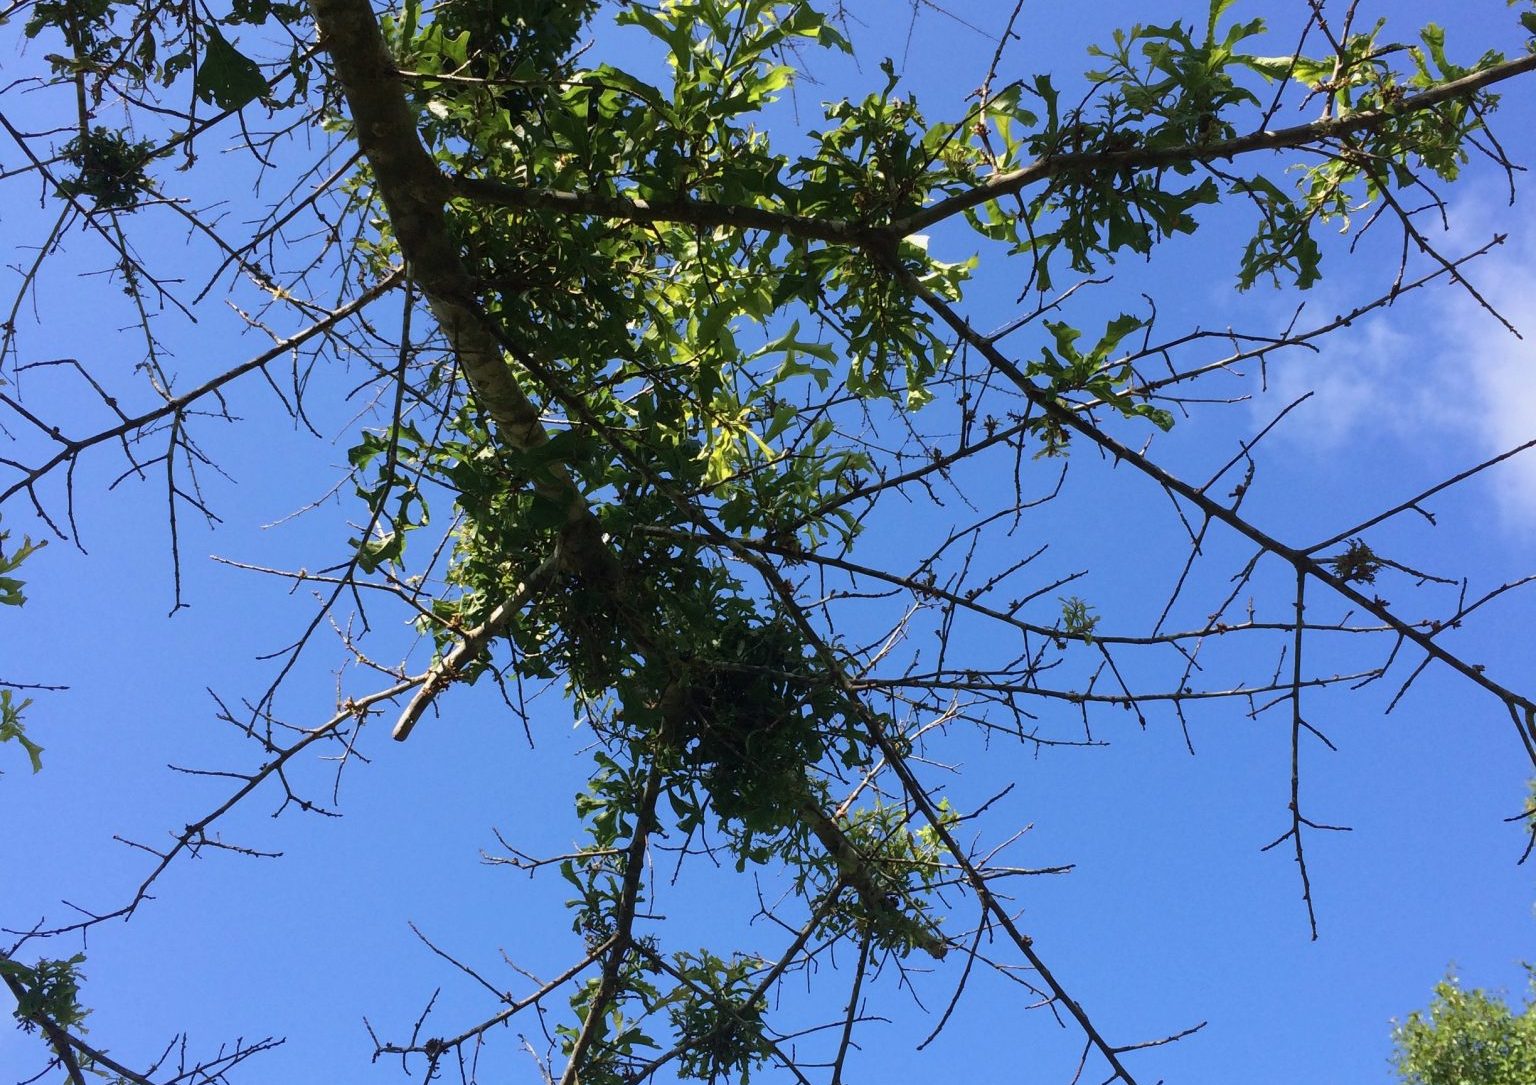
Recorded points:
(1171, 915)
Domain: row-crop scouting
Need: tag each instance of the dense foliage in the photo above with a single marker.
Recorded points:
(1467, 1038)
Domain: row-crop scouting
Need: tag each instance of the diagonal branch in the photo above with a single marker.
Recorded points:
(70, 449)
(921, 798)
(472, 646)
(1301, 560)
(1299, 135)
(414, 192)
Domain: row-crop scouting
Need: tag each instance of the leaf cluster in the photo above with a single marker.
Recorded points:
(11, 708)
(1467, 1038)
(112, 169)
(150, 45)
(49, 991)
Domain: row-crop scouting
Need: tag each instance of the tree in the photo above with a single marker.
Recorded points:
(1468, 1038)
(642, 377)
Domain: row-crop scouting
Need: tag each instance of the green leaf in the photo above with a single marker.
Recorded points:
(365, 451)
(226, 77)
(372, 553)
(789, 343)
(1218, 8)
(11, 729)
(545, 514)
(10, 587)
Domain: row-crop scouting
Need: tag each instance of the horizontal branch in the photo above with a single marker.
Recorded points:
(684, 210)
(985, 684)
(924, 589)
(706, 213)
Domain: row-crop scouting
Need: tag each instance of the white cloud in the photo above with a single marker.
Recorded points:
(1501, 372)
(1437, 367)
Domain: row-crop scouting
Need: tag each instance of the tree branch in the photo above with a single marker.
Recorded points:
(1299, 135)
(706, 213)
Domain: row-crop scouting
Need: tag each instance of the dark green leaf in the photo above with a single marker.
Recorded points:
(226, 77)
